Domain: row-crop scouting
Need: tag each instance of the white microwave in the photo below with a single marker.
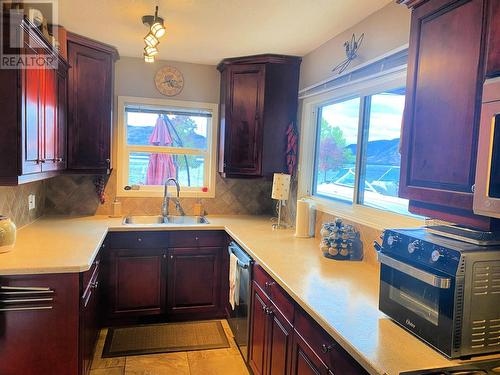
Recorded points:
(487, 186)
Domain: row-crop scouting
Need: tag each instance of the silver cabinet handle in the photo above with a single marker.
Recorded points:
(27, 300)
(426, 277)
(26, 308)
(27, 288)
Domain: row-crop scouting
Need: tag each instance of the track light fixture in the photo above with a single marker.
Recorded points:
(156, 31)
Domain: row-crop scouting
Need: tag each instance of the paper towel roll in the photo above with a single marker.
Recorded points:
(302, 220)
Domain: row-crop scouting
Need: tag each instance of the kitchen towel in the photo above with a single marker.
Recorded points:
(233, 270)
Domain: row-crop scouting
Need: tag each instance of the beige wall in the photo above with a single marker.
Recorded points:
(385, 30)
(133, 77)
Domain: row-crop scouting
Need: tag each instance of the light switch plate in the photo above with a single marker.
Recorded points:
(31, 202)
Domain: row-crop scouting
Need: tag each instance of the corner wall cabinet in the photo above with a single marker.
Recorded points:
(259, 97)
(33, 104)
(285, 340)
(90, 104)
(453, 45)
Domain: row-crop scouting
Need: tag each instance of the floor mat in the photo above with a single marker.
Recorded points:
(164, 338)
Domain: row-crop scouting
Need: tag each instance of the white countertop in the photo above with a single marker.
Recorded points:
(341, 296)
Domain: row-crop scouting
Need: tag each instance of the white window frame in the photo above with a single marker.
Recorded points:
(123, 148)
(354, 211)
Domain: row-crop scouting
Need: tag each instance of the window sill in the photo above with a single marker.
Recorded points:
(371, 217)
(158, 193)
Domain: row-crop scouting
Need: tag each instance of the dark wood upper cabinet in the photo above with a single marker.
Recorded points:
(258, 102)
(493, 59)
(90, 104)
(32, 104)
(443, 102)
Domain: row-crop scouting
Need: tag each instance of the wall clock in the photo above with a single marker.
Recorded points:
(169, 81)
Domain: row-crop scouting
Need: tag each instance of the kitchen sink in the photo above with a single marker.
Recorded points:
(164, 220)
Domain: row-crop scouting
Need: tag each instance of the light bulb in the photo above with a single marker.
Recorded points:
(151, 40)
(158, 30)
(150, 51)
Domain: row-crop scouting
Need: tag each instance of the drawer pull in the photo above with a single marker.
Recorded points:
(27, 288)
(26, 300)
(327, 348)
(269, 284)
(94, 285)
(139, 239)
(26, 308)
(269, 311)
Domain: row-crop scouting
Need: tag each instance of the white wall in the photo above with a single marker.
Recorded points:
(385, 30)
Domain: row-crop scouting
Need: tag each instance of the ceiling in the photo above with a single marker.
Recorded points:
(206, 31)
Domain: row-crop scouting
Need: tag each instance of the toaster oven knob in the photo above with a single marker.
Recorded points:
(392, 240)
(414, 246)
(436, 255)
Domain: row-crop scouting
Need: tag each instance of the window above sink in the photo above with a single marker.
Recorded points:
(160, 139)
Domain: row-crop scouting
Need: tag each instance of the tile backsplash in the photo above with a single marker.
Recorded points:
(14, 202)
(75, 195)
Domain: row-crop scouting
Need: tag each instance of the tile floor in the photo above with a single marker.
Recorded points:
(204, 362)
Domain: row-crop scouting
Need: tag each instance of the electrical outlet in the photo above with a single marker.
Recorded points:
(31, 202)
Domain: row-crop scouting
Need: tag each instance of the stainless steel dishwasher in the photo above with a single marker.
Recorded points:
(239, 318)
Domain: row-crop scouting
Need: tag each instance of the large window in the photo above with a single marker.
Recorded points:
(160, 139)
(357, 156)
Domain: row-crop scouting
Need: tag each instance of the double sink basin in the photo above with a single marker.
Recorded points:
(165, 220)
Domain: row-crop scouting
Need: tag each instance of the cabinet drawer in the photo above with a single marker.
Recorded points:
(191, 238)
(276, 294)
(325, 347)
(137, 240)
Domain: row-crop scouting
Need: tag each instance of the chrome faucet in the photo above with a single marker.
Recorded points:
(166, 199)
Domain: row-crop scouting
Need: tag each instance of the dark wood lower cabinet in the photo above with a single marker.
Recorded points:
(270, 335)
(153, 275)
(258, 332)
(52, 326)
(89, 320)
(285, 340)
(137, 282)
(194, 282)
(304, 359)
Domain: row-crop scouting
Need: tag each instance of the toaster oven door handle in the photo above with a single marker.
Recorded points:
(424, 276)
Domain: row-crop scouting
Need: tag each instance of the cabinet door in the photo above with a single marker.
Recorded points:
(31, 120)
(89, 108)
(62, 109)
(49, 110)
(137, 282)
(39, 334)
(442, 103)
(280, 343)
(493, 60)
(194, 281)
(243, 123)
(304, 360)
(258, 331)
(89, 327)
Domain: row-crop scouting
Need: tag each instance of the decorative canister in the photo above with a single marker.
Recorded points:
(7, 234)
